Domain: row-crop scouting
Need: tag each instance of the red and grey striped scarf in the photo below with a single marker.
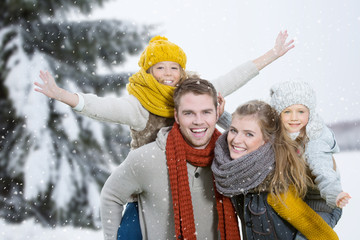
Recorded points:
(178, 153)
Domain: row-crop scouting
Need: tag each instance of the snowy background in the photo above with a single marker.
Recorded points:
(217, 36)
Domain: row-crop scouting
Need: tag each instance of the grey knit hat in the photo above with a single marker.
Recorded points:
(289, 93)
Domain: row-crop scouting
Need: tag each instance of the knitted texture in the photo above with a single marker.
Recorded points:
(238, 176)
(160, 50)
(150, 132)
(285, 94)
(301, 216)
(155, 97)
(178, 153)
(289, 93)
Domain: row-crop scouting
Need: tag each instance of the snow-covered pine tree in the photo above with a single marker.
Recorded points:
(53, 162)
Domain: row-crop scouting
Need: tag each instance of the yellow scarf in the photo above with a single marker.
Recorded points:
(157, 98)
(301, 216)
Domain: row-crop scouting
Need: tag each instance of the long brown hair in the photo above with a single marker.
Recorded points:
(290, 166)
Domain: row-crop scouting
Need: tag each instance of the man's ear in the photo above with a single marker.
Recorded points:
(217, 112)
(176, 116)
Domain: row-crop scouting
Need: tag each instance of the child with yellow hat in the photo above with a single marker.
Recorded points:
(149, 105)
(151, 88)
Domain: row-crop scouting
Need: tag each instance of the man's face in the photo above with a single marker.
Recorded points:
(196, 116)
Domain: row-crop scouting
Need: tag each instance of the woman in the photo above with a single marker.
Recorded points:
(251, 163)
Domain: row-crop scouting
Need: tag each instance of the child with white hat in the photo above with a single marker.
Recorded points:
(295, 102)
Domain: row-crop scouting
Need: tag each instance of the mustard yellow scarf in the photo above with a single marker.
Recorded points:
(157, 98)
(301, 216)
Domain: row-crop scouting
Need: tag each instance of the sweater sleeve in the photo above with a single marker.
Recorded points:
(123, 110)
(294, 210)
(224, 120)
(236, 78)
(116, 192)
(319, 155)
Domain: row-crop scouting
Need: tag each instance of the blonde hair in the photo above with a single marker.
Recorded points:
(290, 166)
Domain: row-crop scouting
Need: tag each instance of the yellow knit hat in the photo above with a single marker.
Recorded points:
(160, 50)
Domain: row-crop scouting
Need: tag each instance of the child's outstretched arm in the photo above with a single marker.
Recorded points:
(107, 109)
(280, 48)
(239, 76)
(50, 89)
(294, 210)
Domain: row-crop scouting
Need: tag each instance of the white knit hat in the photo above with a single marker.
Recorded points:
(289, 93)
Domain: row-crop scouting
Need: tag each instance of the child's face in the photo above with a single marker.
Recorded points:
(244, 136)
(295, 117)
(167, 73)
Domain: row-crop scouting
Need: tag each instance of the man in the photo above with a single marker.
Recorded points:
(172, 177)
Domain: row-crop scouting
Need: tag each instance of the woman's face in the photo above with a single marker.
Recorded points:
(295, 117)
(167, 73)
(244, 136)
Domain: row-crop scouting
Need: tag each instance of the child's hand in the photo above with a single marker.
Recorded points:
(342, 199)
(221, 105)
(51, 90)
(49, 87)
(281, 46)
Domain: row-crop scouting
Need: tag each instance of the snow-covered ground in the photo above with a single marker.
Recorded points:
(30, 230)
(348, 163)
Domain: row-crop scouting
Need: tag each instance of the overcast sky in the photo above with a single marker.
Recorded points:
(219, 35)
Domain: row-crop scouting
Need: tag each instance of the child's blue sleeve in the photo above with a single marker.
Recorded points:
(319, 155)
